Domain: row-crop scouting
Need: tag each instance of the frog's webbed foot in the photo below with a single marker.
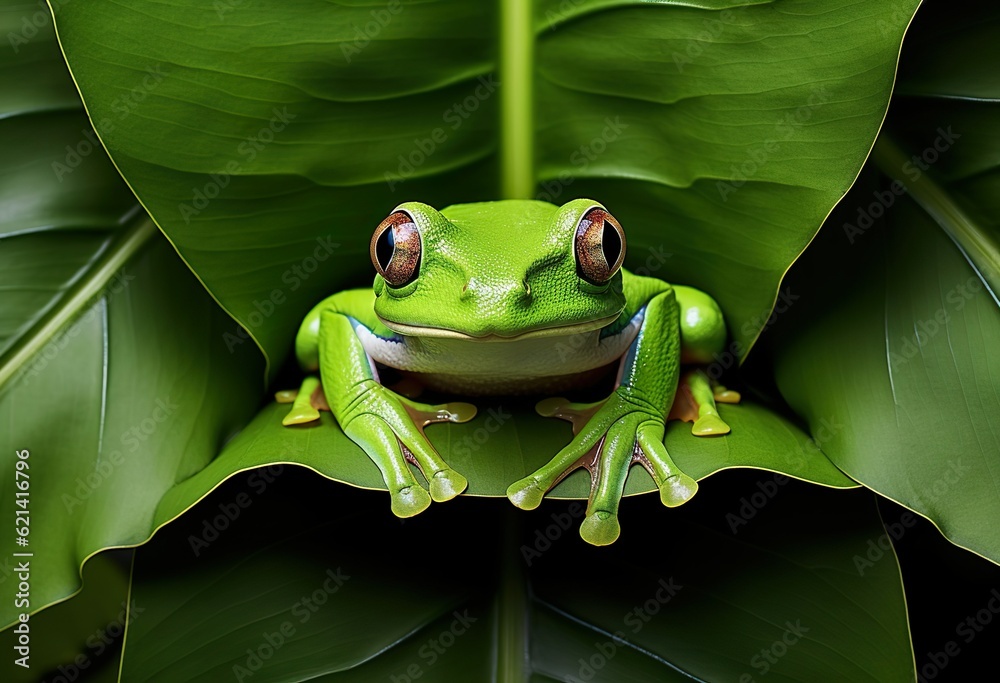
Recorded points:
(695, 402)
(390, 429)
(609, 437)
(306, 402)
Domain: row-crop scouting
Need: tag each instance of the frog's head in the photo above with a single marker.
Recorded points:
(498, 270)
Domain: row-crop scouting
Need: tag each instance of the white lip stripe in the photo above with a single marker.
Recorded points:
(524, 357)
(444, 333)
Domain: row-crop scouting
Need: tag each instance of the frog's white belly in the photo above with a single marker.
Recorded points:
(517, 366)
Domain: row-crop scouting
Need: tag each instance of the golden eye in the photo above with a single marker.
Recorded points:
(395, 249)
(600, 247)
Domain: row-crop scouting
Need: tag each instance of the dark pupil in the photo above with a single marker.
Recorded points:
(611, 243)
(384, 247)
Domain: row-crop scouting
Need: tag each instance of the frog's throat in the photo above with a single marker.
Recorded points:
(555, 331)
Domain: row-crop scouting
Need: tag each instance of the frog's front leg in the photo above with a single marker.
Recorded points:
(627, 428)
(387, 426)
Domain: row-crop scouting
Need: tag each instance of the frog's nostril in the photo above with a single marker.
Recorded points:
(465, 291)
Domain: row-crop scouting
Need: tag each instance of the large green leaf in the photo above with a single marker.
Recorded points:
(138, 393)
(906, 362)
(115, 378)
(81, 638)
(362, 597)
(59, 194)
(941, 142)
(268, 138)
(945, 127)
(903, 352)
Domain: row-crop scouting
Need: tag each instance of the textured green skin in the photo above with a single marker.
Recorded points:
(499, 270)
(494, 248)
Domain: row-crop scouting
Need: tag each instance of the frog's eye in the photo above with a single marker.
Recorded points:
(600, 247)
(395, 249)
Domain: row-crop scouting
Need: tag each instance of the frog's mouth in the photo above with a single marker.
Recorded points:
(554, 331)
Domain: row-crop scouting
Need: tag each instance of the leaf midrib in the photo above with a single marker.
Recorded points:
(96, 277)
(971, 238)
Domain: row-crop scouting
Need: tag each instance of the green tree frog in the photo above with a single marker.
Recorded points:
(514, 297)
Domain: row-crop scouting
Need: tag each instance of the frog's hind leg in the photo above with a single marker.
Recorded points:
(703, 394)
(305, 403)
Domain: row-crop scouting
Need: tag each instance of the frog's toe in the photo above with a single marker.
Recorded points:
(409, 501)
(600, 528)
(300, 415)
(727, 396)
(303, 410)
(526, 493)
(446, 484)
(424, 414)
(459, 412)
(285, 395)
(677, 490)
(709, 425)
(551, 407)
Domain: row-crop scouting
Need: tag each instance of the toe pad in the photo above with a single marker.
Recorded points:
(447, 484)
(525, 494)
(600, 528)
(709, 425)
(410, 501)
(677, 490)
